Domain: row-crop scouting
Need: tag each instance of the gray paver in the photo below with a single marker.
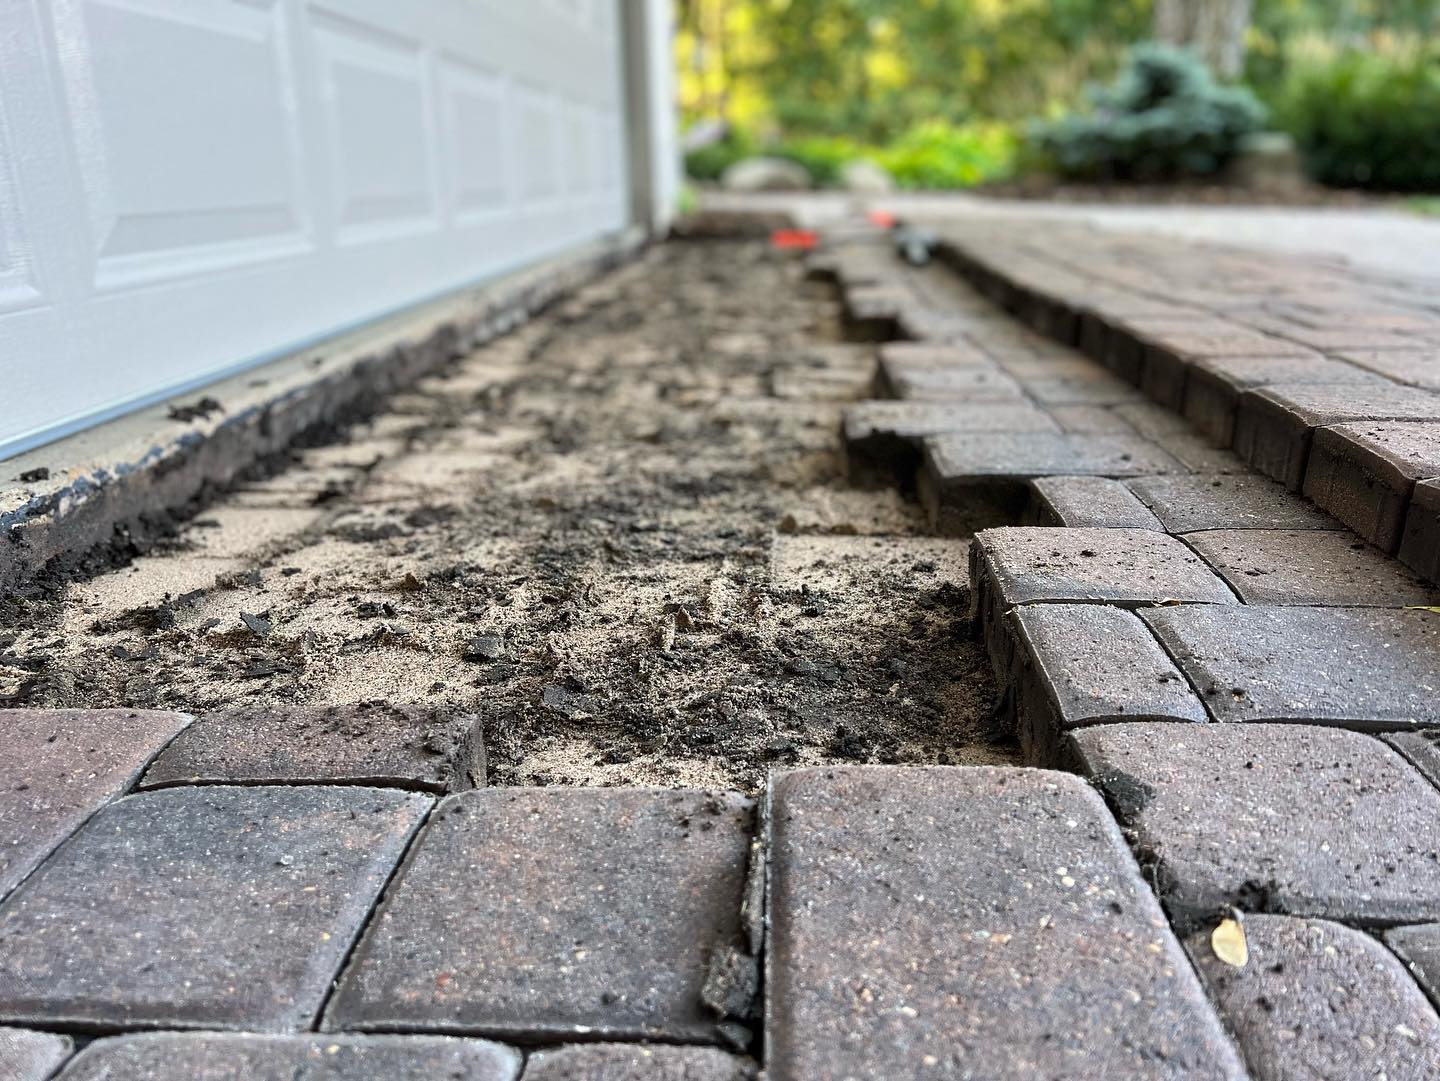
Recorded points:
(1418, 948)
(201, 907)
(1280, 818)
(1274, 425)
(1309, 567)
(1097, 502)
(1421, 748)
(214, 1056)
(1083, 664)
(980, 922)
(1414, 367)
(555, 913)
(968, 384)
(1185, 504)
(1364, 473)
(1420, 543)
(889, 432)
(1318, 1000)
(363, 743)
(31, 1056)
(1168, 356)
(58, 766)
(1214, 385)
(1360, 667)
(636, 1062)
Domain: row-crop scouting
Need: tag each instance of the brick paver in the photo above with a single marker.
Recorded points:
(1318, 1000)
(976, 922)
(636, 1062)
(59, 766)
(970, 384)
(1364, 474)
(1187, 504)
(1097, 502)
(1419, 948)
(1272, 818)
(1309, 566)
(202, 1057)
(201, 908)
(1084, 664)
(1363, 668)
(545, 913)
(890, 433)
(31, 1056)
(1214, 385)
(1420, 543)
(368, 743)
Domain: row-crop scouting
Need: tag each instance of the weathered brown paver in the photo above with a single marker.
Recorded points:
(1364, 473)
(1309, 567)
(1273, 818)
(1187, 504)
(636, 1062)
(1358, 667)
(553, 913)
(1319, 1000)
(1097, 502)
(1083, 664)
(975, 922)
(214, 907)
(31, 1056)
(247, 1057)
(58, 766)
(367, 743)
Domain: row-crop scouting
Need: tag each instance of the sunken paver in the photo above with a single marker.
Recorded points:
(1093, 502)
(545, 913)
(59, 765)
(214, 1056)
(368, 743)
(972, 384)
(1214, 385)
(970, 922)
(1186, 504)
(1083, 664)
(201, 908)
(1309, 567)
(636, 1062)
(1420, 544)
(1318, 1000)
(1274, 425)
(31, 1056)
(1364, 473)
(1357, 667)
(889, 433)
(1419, 948)
(1280, 818)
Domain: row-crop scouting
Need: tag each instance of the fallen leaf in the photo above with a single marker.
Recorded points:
(1228, 942)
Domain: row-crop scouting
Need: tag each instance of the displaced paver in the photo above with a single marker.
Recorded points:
(1214, 385)
(544, 913)
(969, 384)
(1318, 1000)
(1357, 667)
(1420, 544)
(636, 1062)
(58, 766)
(1364, 474)
(1274, 425)
(890, 433)
(1309, 566)
(1097, 502)
(367, 743)
(213, 907)
(31, 1056)
(1276, 818)
(1083, 664)
(1186, 504)
(980, 922)
(244, 1057)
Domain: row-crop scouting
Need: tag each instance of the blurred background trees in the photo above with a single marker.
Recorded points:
(958, 92)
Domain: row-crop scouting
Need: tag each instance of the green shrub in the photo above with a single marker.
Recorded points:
(1165, 117)
(823, 156)
(1368, 120)
(709, 162)
(940, 155)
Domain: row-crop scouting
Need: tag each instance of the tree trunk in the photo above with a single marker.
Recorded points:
(1215, 29)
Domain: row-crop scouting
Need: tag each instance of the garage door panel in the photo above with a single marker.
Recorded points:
(202, 184)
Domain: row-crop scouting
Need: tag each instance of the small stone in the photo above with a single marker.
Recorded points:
(483, 647)
(1321, 1000)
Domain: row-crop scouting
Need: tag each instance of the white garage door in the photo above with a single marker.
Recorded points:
(189, 186)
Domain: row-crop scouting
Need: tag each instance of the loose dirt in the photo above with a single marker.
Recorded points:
(621, 535)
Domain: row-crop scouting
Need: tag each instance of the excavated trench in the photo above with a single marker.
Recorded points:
(622, 536)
